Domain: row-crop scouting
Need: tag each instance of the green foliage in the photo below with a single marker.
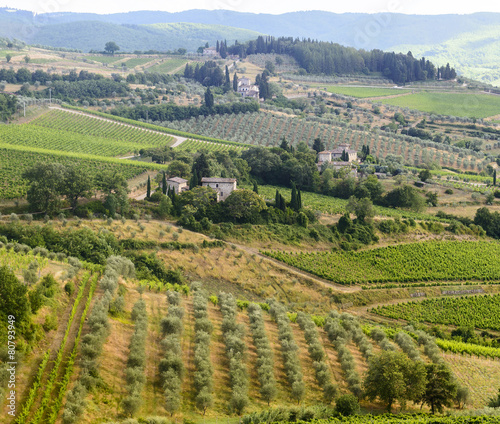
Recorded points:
(440, 389)
(289, 351)
(265, 364)
(203, 375)
(317, 354)
(347, 405)
(235, 350)
(392, 376)
(475, 311)
(137, 360)
(426, 261)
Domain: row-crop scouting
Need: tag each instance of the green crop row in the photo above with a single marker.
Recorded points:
(414, 262)
(474, 311)
(57, 405)
(49, 385)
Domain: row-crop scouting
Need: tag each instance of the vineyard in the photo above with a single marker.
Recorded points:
(193, 146)
(426, 261)
(475, 311)
(267, 129)
(18, 261)
(16, 159)
(65, 141)
(89, 126)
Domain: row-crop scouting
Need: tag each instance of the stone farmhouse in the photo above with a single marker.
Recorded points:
(247, 89)
(223, 186)
(177, 184)
(336, 154)
(210, 51)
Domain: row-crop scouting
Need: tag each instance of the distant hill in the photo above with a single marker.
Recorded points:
(93, 35)
(474, 54)
(467, 41)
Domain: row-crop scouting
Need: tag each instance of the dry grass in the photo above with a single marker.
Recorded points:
(480, 375)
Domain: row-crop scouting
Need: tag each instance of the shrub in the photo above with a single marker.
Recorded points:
(347, 404)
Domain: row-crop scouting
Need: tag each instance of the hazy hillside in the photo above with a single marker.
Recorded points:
(474, 54)
(468, 41)
(347, 28)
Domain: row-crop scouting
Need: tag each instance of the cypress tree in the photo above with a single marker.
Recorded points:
(148, 193)
(193, 182)
(495, 177)
(164, 186)
(255, 187)
(299, 200)
(282, 203)
(277, 199)
(293, 201)
(235, 82)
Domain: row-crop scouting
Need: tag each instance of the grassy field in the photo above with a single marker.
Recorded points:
(366, 92)
(138, 61)
(168, 66)
(103, 59)
(457, 104)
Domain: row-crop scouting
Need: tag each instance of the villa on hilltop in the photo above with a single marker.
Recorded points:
(223, 186)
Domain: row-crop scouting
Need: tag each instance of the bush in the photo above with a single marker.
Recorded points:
(347, 404)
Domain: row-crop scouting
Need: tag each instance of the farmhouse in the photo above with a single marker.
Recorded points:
(247, 89)
(336, 154)
(223, 186)
(177, 184)
(210, 51)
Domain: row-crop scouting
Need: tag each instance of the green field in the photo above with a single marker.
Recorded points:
(44, 61)
(103, 59)
(456, 104)
(475, 311)
(168, 66)
(138, 61)
(427, 261)
(335, 206)
(365, 92)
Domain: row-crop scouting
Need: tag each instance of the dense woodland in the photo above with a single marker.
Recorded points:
(319, 57)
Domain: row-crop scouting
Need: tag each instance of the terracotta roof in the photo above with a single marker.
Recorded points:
(218, 180)
(177, 180)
